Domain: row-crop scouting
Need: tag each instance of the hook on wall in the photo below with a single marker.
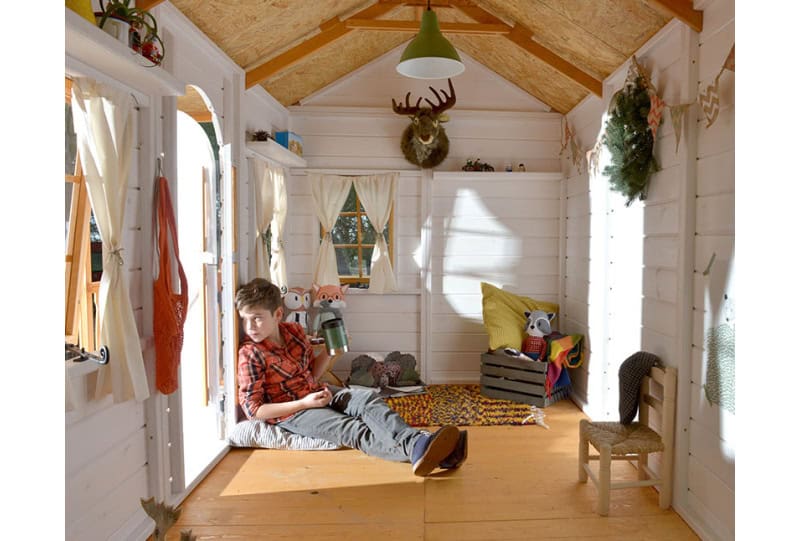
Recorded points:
(160, 165)
(710, 263)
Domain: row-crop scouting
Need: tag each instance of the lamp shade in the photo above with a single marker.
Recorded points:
(430, 55)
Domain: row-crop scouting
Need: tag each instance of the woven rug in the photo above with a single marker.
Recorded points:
(458, 405)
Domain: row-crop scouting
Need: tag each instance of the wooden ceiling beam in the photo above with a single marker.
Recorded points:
(329, 31)
(422, 3)
(682, 10)
(523, 37)
(413, 26)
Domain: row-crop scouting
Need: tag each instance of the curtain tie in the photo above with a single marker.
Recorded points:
(328, 236)
(116, 255)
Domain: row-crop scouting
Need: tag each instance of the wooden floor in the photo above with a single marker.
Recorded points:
(519, 482)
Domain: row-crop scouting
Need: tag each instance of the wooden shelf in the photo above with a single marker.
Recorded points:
(91, 46)
(271, 150)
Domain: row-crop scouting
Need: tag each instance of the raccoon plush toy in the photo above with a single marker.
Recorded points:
(537, 326)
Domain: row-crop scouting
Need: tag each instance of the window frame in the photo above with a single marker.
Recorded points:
(81, 325)
(361, 280)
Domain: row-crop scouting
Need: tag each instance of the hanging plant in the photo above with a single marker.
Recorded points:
(629, 139)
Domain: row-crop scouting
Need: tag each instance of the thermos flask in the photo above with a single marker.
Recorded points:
(335, 336)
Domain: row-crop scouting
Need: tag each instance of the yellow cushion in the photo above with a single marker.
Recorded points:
(504, 315)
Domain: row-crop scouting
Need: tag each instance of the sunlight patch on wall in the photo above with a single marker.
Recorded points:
(478, 247)
(718, 378)
(615, 290)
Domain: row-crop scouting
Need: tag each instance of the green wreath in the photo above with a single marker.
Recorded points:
(630, 141)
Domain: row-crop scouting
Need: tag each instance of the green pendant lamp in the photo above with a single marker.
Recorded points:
(430, 55)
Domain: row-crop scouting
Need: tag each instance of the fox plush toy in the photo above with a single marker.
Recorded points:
(296, 303)
(537, 326)
(328, 303)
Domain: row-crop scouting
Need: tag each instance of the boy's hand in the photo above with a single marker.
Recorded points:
(318, 399)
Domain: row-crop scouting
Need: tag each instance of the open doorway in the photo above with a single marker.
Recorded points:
(198, 218)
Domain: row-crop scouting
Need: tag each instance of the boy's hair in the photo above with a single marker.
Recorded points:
(261, 293)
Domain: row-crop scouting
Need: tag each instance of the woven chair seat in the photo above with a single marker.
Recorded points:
(622, 439)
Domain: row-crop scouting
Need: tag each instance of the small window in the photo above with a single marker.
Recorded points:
(83, 247)
(354, 240)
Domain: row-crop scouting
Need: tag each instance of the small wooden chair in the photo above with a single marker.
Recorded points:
(615, 441)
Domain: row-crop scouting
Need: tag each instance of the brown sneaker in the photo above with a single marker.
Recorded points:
(430, 449)
(459, 454)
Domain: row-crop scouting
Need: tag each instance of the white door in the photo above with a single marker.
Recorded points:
(200, 390)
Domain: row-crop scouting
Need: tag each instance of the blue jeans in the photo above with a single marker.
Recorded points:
(359, 419)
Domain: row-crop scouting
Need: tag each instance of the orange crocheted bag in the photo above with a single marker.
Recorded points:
(169, 308)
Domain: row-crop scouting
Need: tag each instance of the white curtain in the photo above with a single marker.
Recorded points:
(278, 264)
(103, 118)
(264, 202)
(376, 193)
(330, 194)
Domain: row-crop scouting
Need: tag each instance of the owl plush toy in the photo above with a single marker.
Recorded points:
(296, 303)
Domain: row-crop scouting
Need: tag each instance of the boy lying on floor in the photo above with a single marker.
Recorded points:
(278, 382)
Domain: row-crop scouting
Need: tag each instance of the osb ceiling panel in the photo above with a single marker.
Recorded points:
(561, 35)
(192, 103)
(329, 64)
(624, 25)
(593, 36)
(524, 70)
(252, 30)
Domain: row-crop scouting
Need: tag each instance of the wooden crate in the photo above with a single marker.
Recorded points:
(510, 378)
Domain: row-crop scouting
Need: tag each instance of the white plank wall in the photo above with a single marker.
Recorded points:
(681, 231)
(106, 459)
(712, 429)
(577, 196)
(357, 140)
(500, 228)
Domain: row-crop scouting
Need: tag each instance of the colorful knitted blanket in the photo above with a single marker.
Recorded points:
(563, 350)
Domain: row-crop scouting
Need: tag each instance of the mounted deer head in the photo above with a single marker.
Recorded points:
(424, 141)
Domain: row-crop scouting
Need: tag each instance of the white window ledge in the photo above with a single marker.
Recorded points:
(77, 376)
(359, 291)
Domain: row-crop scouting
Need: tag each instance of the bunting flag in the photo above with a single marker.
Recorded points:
(571, 142)
(709, 101)
(593, 156)
(577, 160)
(730, 60)
(567, 136)
(676, 113)
(656, 110)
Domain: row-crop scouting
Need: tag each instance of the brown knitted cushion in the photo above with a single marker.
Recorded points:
(622, 439)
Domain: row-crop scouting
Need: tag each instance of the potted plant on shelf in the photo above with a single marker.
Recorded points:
(142, 27)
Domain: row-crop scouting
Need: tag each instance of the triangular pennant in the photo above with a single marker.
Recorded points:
(576, 157)
(730, 60)
(593, 157)
(656, 110)
(567, 135)
(709, 102)
(676, 113)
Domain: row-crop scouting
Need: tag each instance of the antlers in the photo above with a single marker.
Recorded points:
(439, 108)
(407, 110)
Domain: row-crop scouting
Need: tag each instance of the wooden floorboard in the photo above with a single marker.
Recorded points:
(519, 482)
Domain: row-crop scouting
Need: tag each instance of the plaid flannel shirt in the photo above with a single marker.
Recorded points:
(268, 373)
